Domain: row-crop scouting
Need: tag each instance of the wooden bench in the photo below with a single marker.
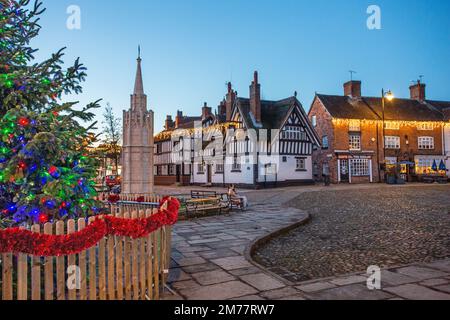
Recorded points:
(195, 194)
(233, 202)
(196, 206)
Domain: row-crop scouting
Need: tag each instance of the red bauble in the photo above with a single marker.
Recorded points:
(43, 218)
(24, 122)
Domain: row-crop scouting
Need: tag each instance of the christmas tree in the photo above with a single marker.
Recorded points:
(45, 169)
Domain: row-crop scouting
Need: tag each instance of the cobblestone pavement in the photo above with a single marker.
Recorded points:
(351, 230)
(208, 260)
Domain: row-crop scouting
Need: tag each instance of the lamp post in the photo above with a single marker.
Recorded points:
(389, 96)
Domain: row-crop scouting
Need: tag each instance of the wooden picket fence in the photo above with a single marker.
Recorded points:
(117, 268)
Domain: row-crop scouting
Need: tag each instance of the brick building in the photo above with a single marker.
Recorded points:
(356, 149)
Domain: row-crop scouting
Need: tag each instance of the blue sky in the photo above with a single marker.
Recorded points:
(191, 48)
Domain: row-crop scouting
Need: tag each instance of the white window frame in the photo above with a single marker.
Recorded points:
(360, 167)
(220, 168)
(200, 168)
(354, 144)
(236, 165)
(426, 143)
(314, 121)
(293, 133)
(172, 170)
(392, 142)
(300, 164)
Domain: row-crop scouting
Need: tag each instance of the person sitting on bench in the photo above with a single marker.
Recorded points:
(232, 193)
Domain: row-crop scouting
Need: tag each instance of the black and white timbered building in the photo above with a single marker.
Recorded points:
(251, 142)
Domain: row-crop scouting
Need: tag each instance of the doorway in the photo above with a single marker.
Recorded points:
(178, 173)
(344, 170)
(209, 173)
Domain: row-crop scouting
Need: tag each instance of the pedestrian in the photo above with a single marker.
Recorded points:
(232, 193)
(326, 174)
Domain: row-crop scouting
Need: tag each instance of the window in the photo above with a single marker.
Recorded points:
(236, 166)
(270, 169)
(360, 167)
(171, 170)
(300, 164)
(426, 143)
(392, 142)
(425, 166)
(219, 168)
(314, 121)
(355, 141)
(325, 142)
(354, 125)
(392, 126)
(200, 168)
(425, 126)
(293, 133)
(284, 159)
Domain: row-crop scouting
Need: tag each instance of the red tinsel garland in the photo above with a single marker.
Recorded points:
(17, 240)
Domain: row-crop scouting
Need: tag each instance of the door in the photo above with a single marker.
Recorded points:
(344, 171)
(209, 173)
(178, 173)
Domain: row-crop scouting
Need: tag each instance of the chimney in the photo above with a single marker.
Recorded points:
(169, 123)
(206, 111)
(222, 109)
(255, 98)
(418, 91)
(230, 99)
(178, 119)
(352, 89)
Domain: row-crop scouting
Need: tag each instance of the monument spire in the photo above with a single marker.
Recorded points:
(138, 84)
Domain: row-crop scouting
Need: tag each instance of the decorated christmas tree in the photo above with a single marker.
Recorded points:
(45, 169)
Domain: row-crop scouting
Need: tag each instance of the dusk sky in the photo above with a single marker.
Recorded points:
(191, 48)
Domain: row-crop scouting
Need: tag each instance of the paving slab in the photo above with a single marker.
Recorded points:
(444, 288)
(317, 286)
(421, 273)
(222, 291)
(232, 263)
(416, 292)
(262, 281)
(434, 282)
(349, 280)
(350, 292)
(279, 293)
(394, 278)
(212, 277)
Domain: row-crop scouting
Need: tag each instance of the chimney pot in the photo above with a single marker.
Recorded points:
(352, 89)
(418, 91)
(255, 98)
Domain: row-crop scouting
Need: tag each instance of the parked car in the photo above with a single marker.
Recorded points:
(112, 181)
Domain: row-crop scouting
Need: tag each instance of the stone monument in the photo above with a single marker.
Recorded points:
(138, 144)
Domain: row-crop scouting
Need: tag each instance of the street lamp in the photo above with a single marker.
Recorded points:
(389, 96)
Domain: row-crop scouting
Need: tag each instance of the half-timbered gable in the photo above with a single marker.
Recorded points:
(264, 142)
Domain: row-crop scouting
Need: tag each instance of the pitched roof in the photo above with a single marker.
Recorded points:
(370, 108)
(273, 113)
